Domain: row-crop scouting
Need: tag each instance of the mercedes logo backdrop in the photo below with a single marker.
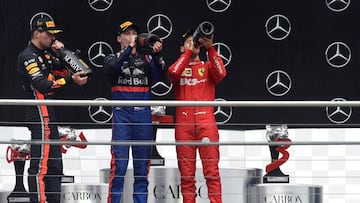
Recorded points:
(273, 50)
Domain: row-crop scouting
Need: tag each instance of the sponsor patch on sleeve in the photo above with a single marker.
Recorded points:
(31, 65)
(34, 70)
(29, 61)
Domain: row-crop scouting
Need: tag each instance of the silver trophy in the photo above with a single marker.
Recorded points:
(158, 114)
(158, 110)
(68, 134)
(277, 133)
(18, 153)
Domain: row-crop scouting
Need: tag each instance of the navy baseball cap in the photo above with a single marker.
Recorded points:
(127, 25)
(45, 23)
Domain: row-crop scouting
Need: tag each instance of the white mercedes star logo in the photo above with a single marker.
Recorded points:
(337, 5)
(100, 114)
(338, 54)
(38, 15)
(278, 83)
(224, 52)
(222, 113)
(278, 27)
(338, 114)
(100, 5)
(218, 5)
(161, 88)
(160, 25)
(97, 52)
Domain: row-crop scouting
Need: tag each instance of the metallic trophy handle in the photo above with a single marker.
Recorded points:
(276, 131)
(69, 134)
(17, 152)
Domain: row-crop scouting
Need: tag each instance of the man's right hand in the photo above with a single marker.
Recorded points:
(79, 79)
(132, 41)
(206, 41)
(56, 46)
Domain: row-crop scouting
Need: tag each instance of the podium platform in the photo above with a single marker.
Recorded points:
(274, 192)
(3, 196)
(164, 184)
(84, 193)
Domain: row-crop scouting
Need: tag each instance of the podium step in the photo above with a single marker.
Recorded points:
(274, 192)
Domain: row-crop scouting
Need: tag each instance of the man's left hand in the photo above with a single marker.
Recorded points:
(157, 47)
(79, 79)
(206, 41)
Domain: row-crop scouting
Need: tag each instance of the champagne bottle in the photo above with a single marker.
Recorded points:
(74, 63)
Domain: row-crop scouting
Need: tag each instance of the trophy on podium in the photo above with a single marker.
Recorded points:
(18, 153)
(68, 134)
(158, 117)
(277, 133)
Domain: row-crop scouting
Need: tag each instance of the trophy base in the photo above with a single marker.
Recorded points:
(157, 162)
(284, 193)
(67, 179)
(18, 198)
(276, 179)
(156, 158)
(276, 176)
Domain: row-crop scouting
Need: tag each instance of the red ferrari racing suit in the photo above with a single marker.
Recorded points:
(196, 80)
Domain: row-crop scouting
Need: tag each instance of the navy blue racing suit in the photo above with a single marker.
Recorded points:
(131, 77)
(41, 76)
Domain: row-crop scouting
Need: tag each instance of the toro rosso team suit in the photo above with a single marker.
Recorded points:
(38, 71)
(131, 77)
(196, 80)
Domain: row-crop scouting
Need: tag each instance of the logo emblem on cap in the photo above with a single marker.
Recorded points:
(338, 114)
(97, 52)
(278, 83)
(278, 27)
(218, 5)
(39, 15)
(126, 24)
(224, 52)
(100, 5)
(160, 25)
(338, 54)
(337, 5)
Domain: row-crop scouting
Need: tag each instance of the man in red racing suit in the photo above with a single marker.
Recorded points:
(195, 80)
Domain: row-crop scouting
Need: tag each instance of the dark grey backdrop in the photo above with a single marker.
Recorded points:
(240, 26)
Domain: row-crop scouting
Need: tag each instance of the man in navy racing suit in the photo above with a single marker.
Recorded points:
(131, 75)
(42, 75)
